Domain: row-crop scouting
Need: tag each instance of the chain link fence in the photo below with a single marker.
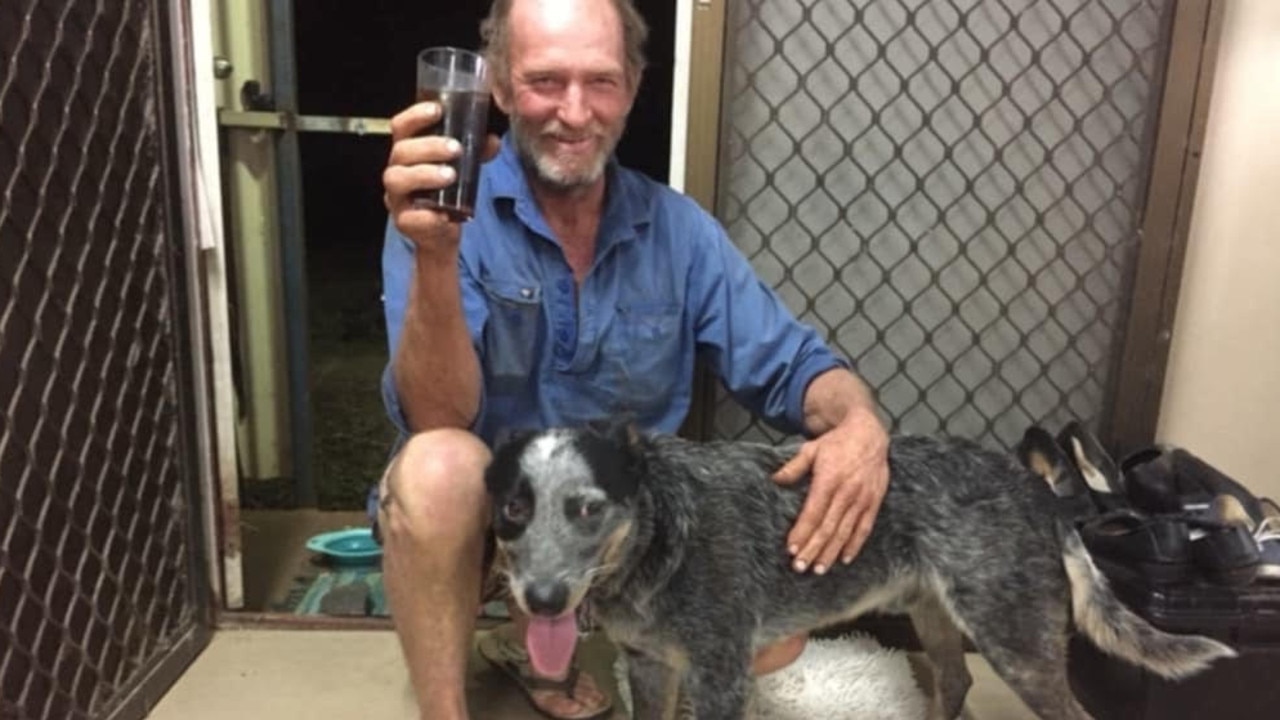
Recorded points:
(950, 190)
(95, 575)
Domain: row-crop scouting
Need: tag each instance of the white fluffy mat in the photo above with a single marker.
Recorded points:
(853, 677)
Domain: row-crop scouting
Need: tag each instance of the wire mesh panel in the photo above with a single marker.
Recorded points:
(96, 581)
(950, 190)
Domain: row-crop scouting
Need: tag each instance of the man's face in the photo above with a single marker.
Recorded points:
(569, 93)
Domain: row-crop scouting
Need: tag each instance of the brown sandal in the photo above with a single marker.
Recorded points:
(513, 661)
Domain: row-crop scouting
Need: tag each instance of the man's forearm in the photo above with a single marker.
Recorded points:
(835, 396)
(436, 371)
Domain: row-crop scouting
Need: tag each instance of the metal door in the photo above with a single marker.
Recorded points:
(102, 591)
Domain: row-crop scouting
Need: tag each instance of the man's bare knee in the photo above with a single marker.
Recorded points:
(441, 456)
(436, 484)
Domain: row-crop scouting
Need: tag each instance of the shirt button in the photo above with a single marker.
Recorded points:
(526, 293)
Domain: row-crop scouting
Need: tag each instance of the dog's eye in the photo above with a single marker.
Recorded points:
(516, 510)
(576, 508)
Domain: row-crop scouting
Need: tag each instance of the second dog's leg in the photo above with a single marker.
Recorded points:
(654, 687)
(943, 643)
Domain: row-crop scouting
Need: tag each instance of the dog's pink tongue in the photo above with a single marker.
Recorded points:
(550, 642)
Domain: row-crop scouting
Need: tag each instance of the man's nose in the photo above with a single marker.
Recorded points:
(574, 110)
(547, 598)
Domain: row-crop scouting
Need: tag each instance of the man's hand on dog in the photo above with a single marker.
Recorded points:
(850, 474)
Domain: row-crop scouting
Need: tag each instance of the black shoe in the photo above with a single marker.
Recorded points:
(1094, 465)
(1170, 479)
(1201, 481)
(1091, 459)
(1155, 547)
(1222, 544)
(1043, 456)
(1267, 535)
(1151, 484)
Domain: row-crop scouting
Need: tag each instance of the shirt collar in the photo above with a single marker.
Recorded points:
(626, 209)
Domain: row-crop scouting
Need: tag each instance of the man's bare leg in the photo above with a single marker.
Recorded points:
(772, 658)
(433, 516)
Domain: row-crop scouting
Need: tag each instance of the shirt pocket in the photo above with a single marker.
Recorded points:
(648, 353)
(511, 334)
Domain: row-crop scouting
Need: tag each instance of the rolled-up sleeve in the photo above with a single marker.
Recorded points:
(397, 267)
(763, 354)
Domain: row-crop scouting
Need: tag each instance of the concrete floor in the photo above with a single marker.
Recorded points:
(317, 675)
(248, 674)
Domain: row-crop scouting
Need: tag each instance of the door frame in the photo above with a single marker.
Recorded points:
(1195, 34)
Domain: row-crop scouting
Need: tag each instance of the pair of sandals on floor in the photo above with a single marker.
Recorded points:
(1161, 511)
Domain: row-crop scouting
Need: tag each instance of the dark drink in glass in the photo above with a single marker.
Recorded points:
(464, 117)
(457, 79)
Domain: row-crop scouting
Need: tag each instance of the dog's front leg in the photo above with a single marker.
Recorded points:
(655, 687)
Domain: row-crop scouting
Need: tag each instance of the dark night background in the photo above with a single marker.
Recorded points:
(361, 62)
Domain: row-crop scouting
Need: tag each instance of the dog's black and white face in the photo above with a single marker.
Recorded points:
(563, 508)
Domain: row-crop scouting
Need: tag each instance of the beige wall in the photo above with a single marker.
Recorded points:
(1222, 390)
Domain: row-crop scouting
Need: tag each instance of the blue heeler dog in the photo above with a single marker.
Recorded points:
(679, 550)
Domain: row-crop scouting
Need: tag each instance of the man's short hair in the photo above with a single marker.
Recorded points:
(495, 38)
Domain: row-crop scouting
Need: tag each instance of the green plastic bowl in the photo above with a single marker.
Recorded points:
(353, 546)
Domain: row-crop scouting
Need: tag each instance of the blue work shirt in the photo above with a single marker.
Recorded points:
(666, 286)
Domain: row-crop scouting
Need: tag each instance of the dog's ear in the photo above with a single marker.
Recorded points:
(504, 469)
(615, 449)
(511, 435)
(620, 430)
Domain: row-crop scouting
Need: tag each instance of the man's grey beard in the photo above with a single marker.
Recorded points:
(544, 168)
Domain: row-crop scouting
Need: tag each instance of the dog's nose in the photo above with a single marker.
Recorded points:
(547, 598)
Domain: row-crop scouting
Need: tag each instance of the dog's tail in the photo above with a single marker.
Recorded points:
(1116, 630)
